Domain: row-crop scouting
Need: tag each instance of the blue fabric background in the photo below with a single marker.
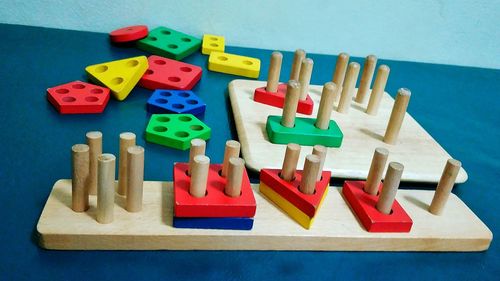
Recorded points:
(459, 106)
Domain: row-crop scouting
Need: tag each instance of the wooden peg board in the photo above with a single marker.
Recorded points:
(335, 229)
(422, 156)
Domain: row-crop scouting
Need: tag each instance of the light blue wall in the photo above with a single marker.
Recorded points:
(456, 32)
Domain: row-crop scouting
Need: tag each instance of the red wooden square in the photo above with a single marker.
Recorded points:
(170, 74)
(277, 99)
(364, 206)
(290, 190)
(216, 203)
(78, 97)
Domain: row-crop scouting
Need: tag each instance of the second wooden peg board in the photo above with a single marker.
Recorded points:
(422, 156)
(335, 228)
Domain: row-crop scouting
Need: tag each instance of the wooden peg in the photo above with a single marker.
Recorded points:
(232, 150)
(135, 178)
(340, 69)
(378, 89)
(397, 115)
(390, 187)
(376, 170)
(198, 147)
(326, 106)
(297, 62)
(80, 177)
(291, 104)
(199, 176)
(305, 77)
(320, 151)
(348, 87)
(234, 179)
(366, 78)
(290, 161)
(94, 141)
(127, 140)
(309, 174)
(445, 186)
(273, 76)
(105, 188)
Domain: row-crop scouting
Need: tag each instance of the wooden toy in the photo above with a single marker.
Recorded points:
(119, 76)
(166, 73)
(105, 188)
(78, 97)
(397, 115)
(212, 43)
(94, 141)
(169, 43)
(298, 193)
(274, 93)
(127, 140)
(305, 131)
(363, 128)
(128, 34)
(234, 64)
(366, 78)
(198, 146)
(135, 178)
(340, 70)
(176, 130)
(348, 87)
(298, 56)
(175, 101)
(444, 187)
(80, 176)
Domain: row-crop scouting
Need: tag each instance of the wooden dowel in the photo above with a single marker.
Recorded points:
(234, 177)
(199, 176)
(105, 188)
(305, 77)
(320, 151)
(80, 177)
(376, 170)
(291, 104)
(378, 89)
(273, 76)
(127, 140)
(232, 150)
(290, 162)
(366, 78)
(326, 106)
(198, 147)
(397, 116)
(348, 87)
(309, 174)
(135, 178)
(445, 186)
(340, 69)
(390, 187)
(297, 62)
(94, 141)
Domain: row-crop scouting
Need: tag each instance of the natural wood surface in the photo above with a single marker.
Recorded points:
(390, 188)
(326, 106)
(445, 185)
(80, 176)
(291, 104)
(397, 116)
(135, 178)
(340, 69)
(290, 161)
(231, 150)
(378, 89)
(305, 77)
(366, 78)
(127, 140)
(234, 176)
(94, 141)
(105, 188)
(320, 151)
(335, 228)
(348, 88)
(198, 146)
(309, 175)
(421, 155)
(376, 171)
(199, 176)
(297, 62)
(273, 75)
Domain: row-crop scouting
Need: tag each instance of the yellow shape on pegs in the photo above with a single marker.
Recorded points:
(234, 64)
(212, 43)
(120, 76)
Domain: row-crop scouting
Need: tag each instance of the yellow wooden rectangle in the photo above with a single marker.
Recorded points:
(422, 156)
(212, 43)
(335, 227)
(234, 64)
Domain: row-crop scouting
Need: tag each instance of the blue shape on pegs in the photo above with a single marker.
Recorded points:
(214, 223)
(175, 101)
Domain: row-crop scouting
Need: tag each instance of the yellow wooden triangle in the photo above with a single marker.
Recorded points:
(120, 76)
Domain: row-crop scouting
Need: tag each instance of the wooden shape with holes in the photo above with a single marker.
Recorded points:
(175, 101)
(277, 99)
(234, 64)
(169, 43)
(176, 130)
(166, 73)
(119, 76)
(78, 97)
(128, 34)
(212, 43)
(363, 206)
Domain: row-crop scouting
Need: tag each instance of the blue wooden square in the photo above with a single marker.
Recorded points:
(175, 101)
(214, 223)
